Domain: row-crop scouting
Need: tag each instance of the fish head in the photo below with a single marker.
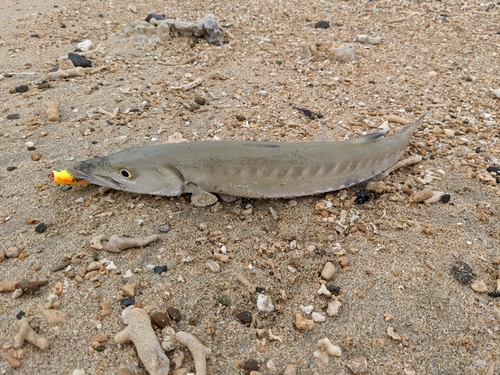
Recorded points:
(134, 174)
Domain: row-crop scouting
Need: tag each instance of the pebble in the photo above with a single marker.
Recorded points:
(127, 302)
(328, 271)
(164, 228)
(35, 156)
(307, 309)
(29, 144)
(160, 269)
(290, 370)
(160, 319)
(333, 308)
(303, 323)
(322, 25)
(13, 116)
(129, 289)
(200, 100)
(264, 303)
(224, 301)
(462, 271)
(358, 365)
(343, 261)
(244, 316)
(251, 365)
(367, 39)
(494, 294)
(317, 317)
(158, 17)
(92, 266)
(174, 314)
(21, 88)
(323, 290)
(40, 228)
(420, 196)
(479, 286)
(79, 60)
(86, 45)
(11, 168)
(363, 196)
(12, 252)
(445, 198)
(334, 289)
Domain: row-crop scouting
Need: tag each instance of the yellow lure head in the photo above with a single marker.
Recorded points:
(65, 178)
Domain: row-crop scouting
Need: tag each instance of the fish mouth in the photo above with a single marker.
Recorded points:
(87, 171)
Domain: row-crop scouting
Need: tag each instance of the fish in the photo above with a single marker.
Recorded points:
(247, 169)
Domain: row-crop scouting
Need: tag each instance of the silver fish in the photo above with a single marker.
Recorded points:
(247, 169)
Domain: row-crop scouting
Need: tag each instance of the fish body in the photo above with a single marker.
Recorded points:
(247, 169)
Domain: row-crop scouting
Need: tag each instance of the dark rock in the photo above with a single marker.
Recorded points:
(224, 301)
(445, 198)
(260, 289)
(462, 271)
(31, 287)
(13, 116)
(160, 269)
(494, 169)
(160, 319)
(174, 314)
(363, 196)
(251, 365)
(158, 17)
(20, 315)
(322, 25)
(244, 316)
(334, 289)
(35, 36)
(79, 60)
(61, 266)
(100, 15)
(200, 100)
(127, 302)
(32, 148)
(11, 168)
(40, 228)
(22, 88)
(495, 294)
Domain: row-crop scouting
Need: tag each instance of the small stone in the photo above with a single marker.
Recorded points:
(160, 269)
(224, 301)
(31, 287)
(158, 17)
(240, 117)
(160, 319)
(174, 314)
(303, 323)
(445, 198)
(127, 302)
(307, 309)
(343, 261)
(264, 303)
(290, 370)
(92, 266)
(164, 228)
(244, 316)
(200, 100)
(462, 271)
(20, 315)
(479, 286)
(79, 60)
(21, 88)
(322, 25)
(328, 271)
(251, 365)
(12, 252)
(420, 196)
(13, 116)
(363, 196)
(494, 294)
(40, 228)
(358, 365)
(493, 170)
(334, 289)
(129, 289)
(29, 144)
(35, 156)
(317, 317)
(333, 308)
(323, 290)
(11, 168)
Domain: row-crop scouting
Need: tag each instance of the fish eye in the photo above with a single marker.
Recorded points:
(125, 173)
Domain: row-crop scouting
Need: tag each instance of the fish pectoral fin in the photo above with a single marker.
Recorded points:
(370, 137)
(200, 197)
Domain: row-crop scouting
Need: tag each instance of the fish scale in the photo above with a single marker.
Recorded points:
(247, 169)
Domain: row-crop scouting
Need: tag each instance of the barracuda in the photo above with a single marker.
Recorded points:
(247, 169)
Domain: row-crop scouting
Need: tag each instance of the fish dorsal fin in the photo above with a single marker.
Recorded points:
(370, 137)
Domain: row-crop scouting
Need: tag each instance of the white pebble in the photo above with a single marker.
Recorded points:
(111, 266)
(307, 309)
(79, 200)
(128, 274)
(262, 92)
(329, 348)
(328, 271)
(52, 298)
(30, 144)
(317, 317)
(78, 372)
(449, 133)
(86, 45)
(324, 290)
(333, 308)
(264, 303)
(479, 286)
(318, 354)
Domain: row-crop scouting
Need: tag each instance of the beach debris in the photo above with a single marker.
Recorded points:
(140, 332)
(53, 316)
(264, 303)
(79, 60)
(67, 70)
(246, 283)
(495, 92)
(8, 286)
(421, 196)
(26, 333)
(197, 349)
(156, 29)
(326, 350)
(328, 271)
(302, 323)
(53, 110)
(462, 271)
(117, 244)
(358, 365)
(85, 45)
(333, 51)
(322, 25)
(367, 39)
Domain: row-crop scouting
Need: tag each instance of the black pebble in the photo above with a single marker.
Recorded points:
(100, 15)
(11, 168)
(224, 301)
(260, 289)
(244, 316)
(334, 289)
(322, 25)
(20, 315)
(158, 17)
(251, 365)
(22, 88)
(31, 148)
(137, 110)
(160, 269)
(445, 198)
(79, 60)
(127, 302)
(174, 314)
(495, 293)
(494, 169)
(40, 228)
(164, 228)
(13, 116)
(35, 36)
(363, 196)
(462, 271)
